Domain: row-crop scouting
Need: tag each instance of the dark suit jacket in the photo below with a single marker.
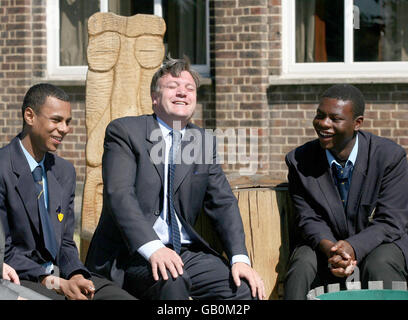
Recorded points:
(133, 193)
(377, 206)
(25, 250)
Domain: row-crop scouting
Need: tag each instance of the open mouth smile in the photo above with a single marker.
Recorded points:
(57, 139)
(324, 135)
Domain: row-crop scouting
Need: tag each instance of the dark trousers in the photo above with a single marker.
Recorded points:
(308, 269)
(205, 276)
(104, 290)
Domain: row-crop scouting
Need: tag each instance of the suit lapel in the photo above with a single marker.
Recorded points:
(155, 144)
(357, 183)
(331, 194)
(54, 196)
(25, 183)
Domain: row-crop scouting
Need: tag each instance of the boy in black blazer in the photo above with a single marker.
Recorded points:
(349, 191)
(37, 190)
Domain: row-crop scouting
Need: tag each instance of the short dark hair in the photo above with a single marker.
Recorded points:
(174, 67)
(347, 92)
(38, 93)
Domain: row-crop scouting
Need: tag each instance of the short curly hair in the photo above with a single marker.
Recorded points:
(347, 92)
(38, 93)
(174, 67)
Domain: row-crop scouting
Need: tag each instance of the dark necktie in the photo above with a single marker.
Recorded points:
(48, 232)
(342, 176)
(175, 233)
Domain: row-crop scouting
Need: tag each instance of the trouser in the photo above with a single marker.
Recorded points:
(205, 276)
(104, 290)
(309, 269)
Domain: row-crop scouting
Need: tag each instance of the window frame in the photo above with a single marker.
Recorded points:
(332, 70)
(57, 72)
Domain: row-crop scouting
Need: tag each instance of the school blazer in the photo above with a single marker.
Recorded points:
(25, 250)
(377, 206)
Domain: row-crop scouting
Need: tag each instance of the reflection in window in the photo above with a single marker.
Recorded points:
(74, 15)
(319, 30)
(186, 29)
(383, 33)
(185, 26)
(130, 7)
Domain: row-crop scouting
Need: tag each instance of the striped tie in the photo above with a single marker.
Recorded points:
(47, 230)
(175, 233)
(342, 176)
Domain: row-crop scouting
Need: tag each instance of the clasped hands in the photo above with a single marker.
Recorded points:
(341, 257)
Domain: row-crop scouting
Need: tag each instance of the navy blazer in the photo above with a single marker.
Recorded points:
(377, 206)
(133, 193)
(25, 250)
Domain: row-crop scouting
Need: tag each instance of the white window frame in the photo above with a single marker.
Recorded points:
(57, 72)
(347, 69)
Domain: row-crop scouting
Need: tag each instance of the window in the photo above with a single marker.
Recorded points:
(187, 31)
(345, 38)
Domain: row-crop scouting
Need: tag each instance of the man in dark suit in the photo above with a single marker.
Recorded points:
(37, 190)
(154, 190)
(349, 192)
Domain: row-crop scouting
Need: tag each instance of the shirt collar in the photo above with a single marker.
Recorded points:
(351, 159)
(31, 161)
(166, 129)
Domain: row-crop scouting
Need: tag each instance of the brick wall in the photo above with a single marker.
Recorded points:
(241, 53)
(245, 41)
(16, 62)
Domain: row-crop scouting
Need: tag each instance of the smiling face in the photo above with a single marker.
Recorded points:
(336, 126)
(176, 99)
(47, 127)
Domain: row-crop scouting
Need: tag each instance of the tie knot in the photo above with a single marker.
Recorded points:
(342, 173)
(37, 174)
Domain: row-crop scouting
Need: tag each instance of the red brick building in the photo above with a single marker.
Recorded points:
(263, 63)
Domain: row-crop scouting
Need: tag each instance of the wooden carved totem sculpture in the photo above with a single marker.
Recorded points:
(123, 54)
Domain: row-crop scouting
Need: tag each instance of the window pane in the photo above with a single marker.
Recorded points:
(319, 30)
(186, 29)
(383, 30)
(131, 7)
(74, 15)
(185, 25)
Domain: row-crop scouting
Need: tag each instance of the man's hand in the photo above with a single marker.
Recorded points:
(342, 260)
(10, 274)
(76, 288)
(165, 259)
(242, 270)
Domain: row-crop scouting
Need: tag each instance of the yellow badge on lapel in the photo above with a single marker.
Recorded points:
(60, 215)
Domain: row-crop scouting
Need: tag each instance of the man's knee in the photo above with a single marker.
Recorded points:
(304, 259)
(386, 262)
(174, 288)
